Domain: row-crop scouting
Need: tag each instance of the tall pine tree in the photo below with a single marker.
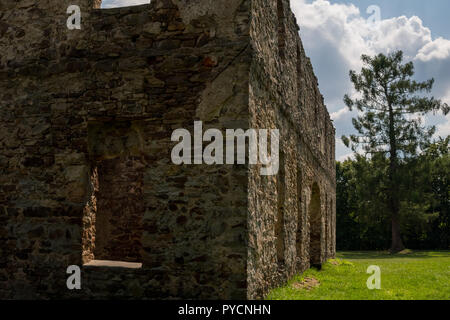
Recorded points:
(391, 105)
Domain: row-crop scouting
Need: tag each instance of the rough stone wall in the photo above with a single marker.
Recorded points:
(284, 94)
(207, 231)
(163, 64)
(41, 172)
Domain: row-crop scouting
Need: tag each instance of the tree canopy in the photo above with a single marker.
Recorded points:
(391, 106)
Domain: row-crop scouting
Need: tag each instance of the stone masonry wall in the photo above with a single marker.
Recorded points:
(220, 231)
(284, 94)
(163, 64)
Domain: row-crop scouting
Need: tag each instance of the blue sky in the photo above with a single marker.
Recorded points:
(336, 32)
(434, 13)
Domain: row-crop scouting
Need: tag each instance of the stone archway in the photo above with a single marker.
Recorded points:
(315, 231)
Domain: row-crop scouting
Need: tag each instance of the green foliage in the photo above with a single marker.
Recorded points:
(426, 198)
(390, 133)
(387, 99)
(416, 276)
(362, 214)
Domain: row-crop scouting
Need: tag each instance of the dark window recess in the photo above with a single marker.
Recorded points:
(281, 29)
(300, 222)
(114, 214)
(315, 227)
(300, 82)
(279, 223)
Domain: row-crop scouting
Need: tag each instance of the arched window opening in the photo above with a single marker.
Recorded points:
(315, 235)
(300, 221)
(281, 29)
(279, 223)
(112, 222)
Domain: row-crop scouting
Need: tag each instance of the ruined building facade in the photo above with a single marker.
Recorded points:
(86, 118)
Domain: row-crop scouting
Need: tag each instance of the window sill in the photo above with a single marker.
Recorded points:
(113, 264)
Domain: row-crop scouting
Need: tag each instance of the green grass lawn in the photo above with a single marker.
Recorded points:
(420, 275)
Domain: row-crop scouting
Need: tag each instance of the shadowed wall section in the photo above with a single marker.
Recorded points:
(284, 94)
(86, 118)
(315, 234)
(113, 218)
(120, 209)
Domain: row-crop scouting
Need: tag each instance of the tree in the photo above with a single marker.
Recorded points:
(346, 225)
(389, 123)
(362, 215)
(433, 175)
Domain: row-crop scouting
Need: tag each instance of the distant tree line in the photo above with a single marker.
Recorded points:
(362, 209)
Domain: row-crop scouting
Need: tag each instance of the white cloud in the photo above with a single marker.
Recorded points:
(443, 129)
(446, 98)
(437, 49)
(336, 35)
(350, 32)
(344, 155)
(339, 114)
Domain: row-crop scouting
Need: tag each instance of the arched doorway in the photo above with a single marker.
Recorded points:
(300, 217)
(279, 222)
(315, 228)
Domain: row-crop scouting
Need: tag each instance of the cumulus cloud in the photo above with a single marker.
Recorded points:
(335, 35)
(435, 50)
(339, 114)
(443, 128)
(344, 156)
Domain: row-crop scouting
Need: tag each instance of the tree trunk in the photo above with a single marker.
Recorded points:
(397, 243)
(394, 206)
(394, 201)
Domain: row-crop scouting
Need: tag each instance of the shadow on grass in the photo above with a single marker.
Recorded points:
(386, 255)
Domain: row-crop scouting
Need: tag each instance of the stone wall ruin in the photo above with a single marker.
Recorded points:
(86, 118)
